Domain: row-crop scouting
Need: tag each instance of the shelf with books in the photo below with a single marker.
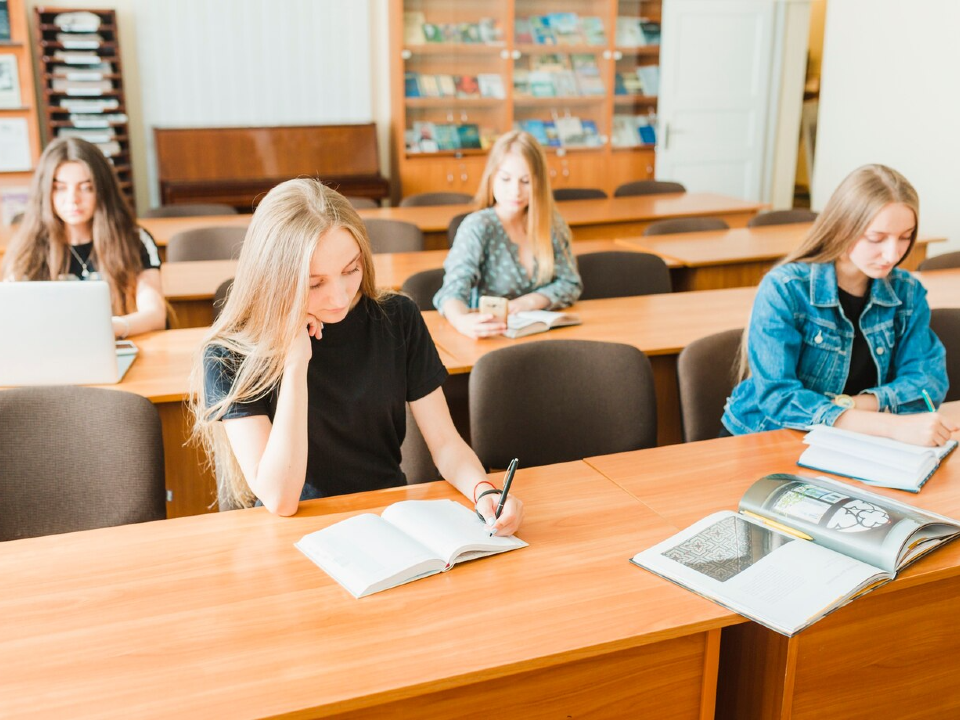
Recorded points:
(442, 102)
(557, 101)
(82, 92)
(455, 48)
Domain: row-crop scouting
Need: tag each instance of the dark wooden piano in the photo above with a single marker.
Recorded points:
(237, 166)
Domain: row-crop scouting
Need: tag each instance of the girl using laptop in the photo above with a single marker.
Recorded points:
(78, 226)
(301, 385)
(516, 247)
(838, 334)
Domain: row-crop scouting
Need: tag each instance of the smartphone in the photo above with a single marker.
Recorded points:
(496, 306)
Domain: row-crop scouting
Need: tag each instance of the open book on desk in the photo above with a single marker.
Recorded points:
(798, 549)
(871, 459)
(531, 322)
(412, 539)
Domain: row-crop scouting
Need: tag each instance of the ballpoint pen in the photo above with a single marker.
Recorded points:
(511, 469)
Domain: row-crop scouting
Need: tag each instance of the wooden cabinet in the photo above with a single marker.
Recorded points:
(18, 112)
(580, 76)
(81, 82)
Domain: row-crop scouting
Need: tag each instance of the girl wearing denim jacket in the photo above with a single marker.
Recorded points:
(838, 334)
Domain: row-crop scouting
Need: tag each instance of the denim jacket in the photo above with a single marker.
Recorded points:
(799, 345)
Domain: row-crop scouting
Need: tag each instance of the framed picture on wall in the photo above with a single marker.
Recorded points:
(9, 82)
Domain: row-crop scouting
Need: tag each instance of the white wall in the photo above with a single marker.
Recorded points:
(889, 95)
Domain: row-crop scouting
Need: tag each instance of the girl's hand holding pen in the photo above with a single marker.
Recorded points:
(502, 512)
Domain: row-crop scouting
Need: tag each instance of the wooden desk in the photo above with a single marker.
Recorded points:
(220, 616)
(737, 257)
(601, 219)
(892, 653)
(189, 286)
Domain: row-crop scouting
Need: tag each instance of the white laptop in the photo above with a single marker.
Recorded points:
(59, 333)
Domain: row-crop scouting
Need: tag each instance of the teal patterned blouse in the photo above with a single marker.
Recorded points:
(485, 261)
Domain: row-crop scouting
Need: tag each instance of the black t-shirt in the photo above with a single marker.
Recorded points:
(80, 254)
(863, 371)
(362, 372)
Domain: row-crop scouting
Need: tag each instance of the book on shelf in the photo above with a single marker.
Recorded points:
(550, 62)
(531, 322)
(470, 33)
(553, 137)
(429, 86)
(413, 28)
(629, 32)
(647, 131)
(411, 85)
(80, 21)
(109, 149)
(542, 33)
(593, 31)
(522, 31)
(565, 83)
(425, 136)
(488, 136)
(99, 105)
(632, 84)
(591, 134)
(587, 74)
(446, 136)
(650, 79)
(409, 540)
(102, 135)
(541, 84)
(491, 85)
(870, 459)
(97, 121)
(447, 85)
(467, 86)
(469, 136)
(619, 88)
(85, 87)
(76, 57)
(490, 32)
(651, 32)
(536, 128)
(565, 27)
(625, 132)
(451, 32)
(79, 41)
(570, 130)
(432, 32)
(94, 71)
(797, 549)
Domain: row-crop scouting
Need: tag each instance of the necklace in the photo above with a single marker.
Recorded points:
(84, 273)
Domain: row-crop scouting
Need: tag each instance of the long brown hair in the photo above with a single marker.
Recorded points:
(39, 250)
(264, 311)
(846, 217)
(540, 210)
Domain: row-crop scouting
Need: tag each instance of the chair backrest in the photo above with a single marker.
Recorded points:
(220, 296)
(191, 210)
(206, 243)
(435, 198)
(361, 203)
(945, 322)
(621, 274)
(388, 236)
(941, 262)
(62, 473)
(551, 401)
(454, 225)
(683, 225)
(648, 187)
(783, 217)
(561, 194)
(422, 286)
(706, 373)
(415, 459)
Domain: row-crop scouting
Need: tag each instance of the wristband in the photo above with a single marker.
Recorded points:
(475, 498)
(126, 326)
(487, 492)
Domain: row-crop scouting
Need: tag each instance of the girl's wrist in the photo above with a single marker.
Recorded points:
(476, 488)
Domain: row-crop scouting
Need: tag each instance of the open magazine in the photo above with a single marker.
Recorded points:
(798, 549)
(411, 539)
(530, 322)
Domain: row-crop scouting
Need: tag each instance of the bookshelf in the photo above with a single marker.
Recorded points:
(580, 75)
(81, 83)
(19, 129)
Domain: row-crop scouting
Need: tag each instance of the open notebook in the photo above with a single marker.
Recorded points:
(60, 333)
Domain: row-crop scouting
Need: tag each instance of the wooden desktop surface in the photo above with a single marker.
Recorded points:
(220, 616)
(943, 287)
(739, 256)
(892, 653)
(189, 286)
(598, 219)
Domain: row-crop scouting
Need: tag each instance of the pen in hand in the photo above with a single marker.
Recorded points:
(927, 400)
(511, 469)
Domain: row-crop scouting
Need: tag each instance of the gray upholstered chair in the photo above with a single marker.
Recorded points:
(562, 194)
(686, 224)
(220, 296)
(453, 227)
(620, 274)
(706, 373)
(556, 400)
(782, 217)
(422, 286)
(388, 236)
(648, 187)
(945, 322)
(435, 198)
(77, 458)
(946, 261)
(206, 243)
(191, 210)
(361, 203)
(415, 459)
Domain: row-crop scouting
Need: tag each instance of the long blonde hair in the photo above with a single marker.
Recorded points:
(540, 210)
(40, 251)
(846, 217)
(264, 312)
